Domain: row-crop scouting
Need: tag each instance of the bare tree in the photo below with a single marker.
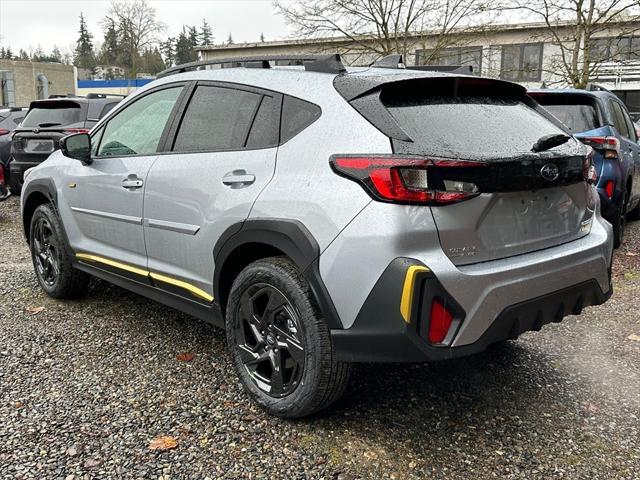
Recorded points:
(137, 27)
(382, 27)
(583, 32)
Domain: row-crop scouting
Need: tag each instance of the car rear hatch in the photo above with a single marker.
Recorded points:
(491, 196)
(44, 125)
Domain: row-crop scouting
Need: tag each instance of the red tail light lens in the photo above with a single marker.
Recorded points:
(4, 131)
(1, 174)
(71, 131)
(609, 146)
(407, 180)
(439, 322)
(609, 187)
(589, 169)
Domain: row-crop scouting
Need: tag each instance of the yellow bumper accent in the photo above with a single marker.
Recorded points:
(145, 273)
(407, 290)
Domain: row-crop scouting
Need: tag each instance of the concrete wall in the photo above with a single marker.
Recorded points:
(61, 79)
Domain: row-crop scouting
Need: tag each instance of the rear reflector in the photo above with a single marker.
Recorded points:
(408, 180)
(439, 322)
(609, 187)
(609, 146)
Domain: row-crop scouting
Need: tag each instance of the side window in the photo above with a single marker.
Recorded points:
(630, 127)
(296, 116)
(137, 129)
(618, 119)
(107, 108)
(264, 130)
(217, 118)
(95, 141)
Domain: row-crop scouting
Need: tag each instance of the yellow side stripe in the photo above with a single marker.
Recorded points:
(112, 263)
(145, 273)
(179, 283)
(407, 290)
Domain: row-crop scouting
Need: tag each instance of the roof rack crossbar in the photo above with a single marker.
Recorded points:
(389, 61)
(312, 63)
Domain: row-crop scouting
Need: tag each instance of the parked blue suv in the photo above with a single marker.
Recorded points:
(599, 118)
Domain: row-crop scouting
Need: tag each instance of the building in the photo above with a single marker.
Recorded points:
(23, 81)
(518, 52)
(113, 87)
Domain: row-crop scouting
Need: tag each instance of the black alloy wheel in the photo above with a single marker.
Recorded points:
(269, 340)
(45, 253)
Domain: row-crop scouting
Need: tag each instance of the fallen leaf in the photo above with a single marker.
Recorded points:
(163, 443)
(18, 404)
(590, 408)
(634, 337)
(185, 357)
(631, 254)
(35, 310)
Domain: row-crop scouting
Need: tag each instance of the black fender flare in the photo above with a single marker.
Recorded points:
(290, 237)
(44, 186)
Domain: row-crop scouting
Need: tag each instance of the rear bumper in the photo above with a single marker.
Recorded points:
(491, 301)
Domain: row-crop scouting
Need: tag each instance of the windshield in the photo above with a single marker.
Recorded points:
(53, 114)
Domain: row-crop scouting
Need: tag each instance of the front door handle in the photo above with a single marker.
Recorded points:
(238, 179)
(132, 182)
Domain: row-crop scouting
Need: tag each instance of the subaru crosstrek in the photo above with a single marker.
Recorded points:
(598, 118)
(325, 216)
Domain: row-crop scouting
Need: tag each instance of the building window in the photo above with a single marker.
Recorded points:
(522, 63)
(615, 49)
(461, 56)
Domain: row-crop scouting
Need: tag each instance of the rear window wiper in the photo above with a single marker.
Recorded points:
(549, 141)
(50, 124)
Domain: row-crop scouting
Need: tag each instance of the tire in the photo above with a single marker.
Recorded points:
(634, 215)
(15, 186)
(51, 260)
(619, 224)
(287, 330)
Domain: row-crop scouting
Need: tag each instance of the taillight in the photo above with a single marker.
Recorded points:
(2, 174)
(588, 168)
(609, 188)
(439, 322)
(71, 131)
(609, 146)
(408, 180)
(4, 131)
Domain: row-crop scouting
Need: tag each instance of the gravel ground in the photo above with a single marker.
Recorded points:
(86, 386)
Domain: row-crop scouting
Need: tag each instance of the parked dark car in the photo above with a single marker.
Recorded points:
(46, 122)
(10, 118)
(599, 118)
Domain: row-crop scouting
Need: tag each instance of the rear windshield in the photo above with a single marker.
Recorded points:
(53, 114)
(470, 126)
(578, 113)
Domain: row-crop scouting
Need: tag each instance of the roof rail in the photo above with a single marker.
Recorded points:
(312, 63)
(594, 87)
(396, 61)
(104, 95)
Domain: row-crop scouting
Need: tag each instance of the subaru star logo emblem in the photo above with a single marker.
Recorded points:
(550, 172)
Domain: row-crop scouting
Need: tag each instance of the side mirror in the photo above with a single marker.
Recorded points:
(77, 146)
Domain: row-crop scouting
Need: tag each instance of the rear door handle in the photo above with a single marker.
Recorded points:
(132, 182)
(238, 179)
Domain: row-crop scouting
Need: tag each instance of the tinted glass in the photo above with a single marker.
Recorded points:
(216, 119)
(106, 109)
(471, 126)
(264, 131)
(136, 130)
(619, 120)
(296, 116)
(53, 114)
(578, 118)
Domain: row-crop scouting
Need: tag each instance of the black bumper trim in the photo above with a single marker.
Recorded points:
(379, 333)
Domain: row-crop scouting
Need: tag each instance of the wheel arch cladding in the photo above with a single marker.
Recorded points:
(242, 244)
(38, 192)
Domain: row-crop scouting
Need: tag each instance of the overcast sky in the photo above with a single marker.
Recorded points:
(27, 23)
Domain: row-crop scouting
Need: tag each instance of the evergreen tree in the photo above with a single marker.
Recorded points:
(192, 35)
(230, 39)
(23, 55)
(38, 54)
(83, 55)
(206, 34)
(56, 55)
(9, 53)
(3, 53)
(109, 53)
(168, 50)
(152, 61)
(262, 37)
(184, 51)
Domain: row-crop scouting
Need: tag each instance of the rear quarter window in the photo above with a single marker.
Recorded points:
(296, 116)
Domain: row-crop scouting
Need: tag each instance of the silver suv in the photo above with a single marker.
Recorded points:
(325, 215)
